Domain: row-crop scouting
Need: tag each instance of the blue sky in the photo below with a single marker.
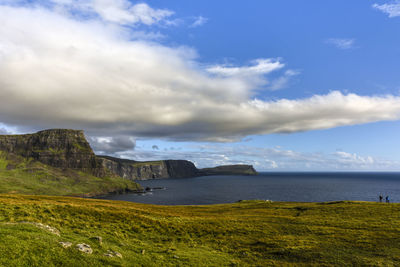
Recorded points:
(283, 85)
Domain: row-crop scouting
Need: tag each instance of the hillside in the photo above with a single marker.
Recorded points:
(61, 162)
(55, 162)
(249, 233)
(60, 148)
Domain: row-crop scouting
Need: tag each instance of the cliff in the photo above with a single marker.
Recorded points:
(229, 170)
(60, 148)
(136, 170)
(55, 162)
(67, 153)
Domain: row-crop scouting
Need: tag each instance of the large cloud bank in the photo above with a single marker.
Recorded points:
(77, 64)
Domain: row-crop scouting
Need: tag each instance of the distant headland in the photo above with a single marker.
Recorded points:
(65, 156)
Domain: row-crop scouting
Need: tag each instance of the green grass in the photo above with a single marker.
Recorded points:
(249, 233)
(25, 176)
(81, 148)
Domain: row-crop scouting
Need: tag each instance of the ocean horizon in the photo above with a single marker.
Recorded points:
(274, 186)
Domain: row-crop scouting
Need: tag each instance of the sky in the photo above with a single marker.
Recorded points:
(282, 85)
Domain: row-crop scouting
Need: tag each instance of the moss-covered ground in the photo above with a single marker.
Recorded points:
(25, 176)
(249, 233)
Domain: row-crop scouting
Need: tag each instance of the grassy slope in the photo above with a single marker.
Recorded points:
(32, 177)
(246, 233)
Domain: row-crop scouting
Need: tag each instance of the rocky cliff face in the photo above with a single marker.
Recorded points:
(229, 170)
(67, 149)
(135, 170)
(181, 168)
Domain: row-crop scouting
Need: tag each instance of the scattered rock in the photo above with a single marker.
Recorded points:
(176, 256)
(117, 254)
(48, 228)
(112, 253)
(98, 239)
(65, 244)
(143, 251)
(85, 248)
(41, 226)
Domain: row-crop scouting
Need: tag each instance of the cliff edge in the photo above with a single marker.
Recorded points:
(60, 148)
(145, 170)
(229, 170)
(55, 162)
(62, 158)
(137, 170)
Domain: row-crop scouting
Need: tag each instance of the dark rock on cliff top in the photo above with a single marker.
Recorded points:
(61, 148)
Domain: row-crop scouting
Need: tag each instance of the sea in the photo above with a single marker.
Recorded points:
(292, 187)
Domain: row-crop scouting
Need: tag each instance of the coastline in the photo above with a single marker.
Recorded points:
(292, 187)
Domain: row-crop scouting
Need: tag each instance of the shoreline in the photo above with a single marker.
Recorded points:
(241, 201)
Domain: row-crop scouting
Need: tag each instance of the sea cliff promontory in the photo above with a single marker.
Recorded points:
(61, 162)
(60, 148)
(55, 162)
(144, 170)
(162, 169)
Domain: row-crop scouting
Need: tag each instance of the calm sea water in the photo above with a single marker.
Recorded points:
(299, 187)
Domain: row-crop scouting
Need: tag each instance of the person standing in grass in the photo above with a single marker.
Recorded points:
(387, 199)
(380, 198)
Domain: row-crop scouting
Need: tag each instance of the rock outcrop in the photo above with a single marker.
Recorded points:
(229, 170)
(69, 149)
(136, 170)
(61, 148)
(84, 248)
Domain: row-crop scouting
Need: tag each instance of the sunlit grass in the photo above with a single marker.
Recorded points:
(25, 176)
(254, 233)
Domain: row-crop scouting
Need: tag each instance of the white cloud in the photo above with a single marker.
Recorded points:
(269, 159)
(4, 131)
(282, 81)
(116, 11)
(270, 164)
(111, 145)
(199, 21)
(147, 36)
(341, 43)
(253, 75)
(123, 12)
(260, 66)
(58, 70)
(353, 159)
(393, 9)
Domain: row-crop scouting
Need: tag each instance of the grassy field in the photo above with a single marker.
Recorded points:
(25, 176)
(249, 233)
